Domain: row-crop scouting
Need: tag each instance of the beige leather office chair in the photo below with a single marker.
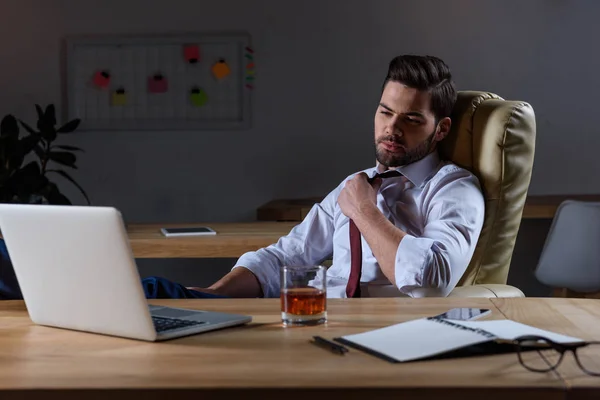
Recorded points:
(495, 139)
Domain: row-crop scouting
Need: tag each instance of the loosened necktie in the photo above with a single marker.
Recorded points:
(353, 286)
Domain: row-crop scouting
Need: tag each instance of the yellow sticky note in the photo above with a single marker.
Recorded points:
(119, 98)
(220, 69)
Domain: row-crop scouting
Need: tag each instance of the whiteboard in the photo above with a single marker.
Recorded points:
(177, 82)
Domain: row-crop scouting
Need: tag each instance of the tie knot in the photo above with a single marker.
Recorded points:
(386, 174)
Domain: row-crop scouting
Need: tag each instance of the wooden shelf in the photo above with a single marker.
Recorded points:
(536, 207)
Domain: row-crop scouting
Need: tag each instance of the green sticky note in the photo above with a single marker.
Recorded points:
(198, 97)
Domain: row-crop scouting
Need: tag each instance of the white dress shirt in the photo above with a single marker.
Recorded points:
(438, 204)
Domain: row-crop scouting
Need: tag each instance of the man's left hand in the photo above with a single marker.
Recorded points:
(358, 194)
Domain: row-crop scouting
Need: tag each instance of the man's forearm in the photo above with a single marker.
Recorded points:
(240, 282)
(382, 237)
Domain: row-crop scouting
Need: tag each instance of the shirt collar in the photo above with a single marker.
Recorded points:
(416, 172)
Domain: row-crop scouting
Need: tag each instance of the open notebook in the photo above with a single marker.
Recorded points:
(432, 337)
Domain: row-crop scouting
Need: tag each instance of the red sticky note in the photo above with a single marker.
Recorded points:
(191, 53)
(157, 84)
(101, 79)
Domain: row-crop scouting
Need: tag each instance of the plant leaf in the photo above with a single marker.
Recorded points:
(46, 124)
(50, 115)
(54, 196)
(63, 158)
(69, 126)
(9, 127)
(10, 155)
(46, 130)
(29, 143)
(28, 128)
(69, 178)
(39, 151)
(39, 110)
(28, 181)
(67, 147)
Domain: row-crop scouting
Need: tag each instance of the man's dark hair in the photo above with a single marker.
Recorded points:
(425, 73)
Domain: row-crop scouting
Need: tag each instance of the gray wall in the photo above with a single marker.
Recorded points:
(319, 70)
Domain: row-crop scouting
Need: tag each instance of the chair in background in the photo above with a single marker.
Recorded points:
(570, 259)
(494, 139)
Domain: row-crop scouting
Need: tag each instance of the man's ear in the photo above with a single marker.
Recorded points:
(443, 128)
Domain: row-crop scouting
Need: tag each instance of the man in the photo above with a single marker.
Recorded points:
(419, 229)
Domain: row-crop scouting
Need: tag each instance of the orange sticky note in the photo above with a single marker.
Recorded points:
(191, 53)
(157, 84)
(220, 69)
(101, 79)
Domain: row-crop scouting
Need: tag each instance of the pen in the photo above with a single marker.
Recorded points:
(333, 347)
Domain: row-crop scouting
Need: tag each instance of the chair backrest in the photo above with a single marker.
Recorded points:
(495, 139)
(571, 255)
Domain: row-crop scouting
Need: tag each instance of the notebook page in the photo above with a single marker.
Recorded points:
(508, 330)
(417, 339)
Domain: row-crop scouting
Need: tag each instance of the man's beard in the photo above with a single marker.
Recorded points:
(388, 159)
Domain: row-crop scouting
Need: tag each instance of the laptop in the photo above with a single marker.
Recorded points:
(76, 271)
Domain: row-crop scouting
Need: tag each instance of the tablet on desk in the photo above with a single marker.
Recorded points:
(188, 231)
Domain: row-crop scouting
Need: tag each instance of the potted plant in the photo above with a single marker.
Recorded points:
(29, 182)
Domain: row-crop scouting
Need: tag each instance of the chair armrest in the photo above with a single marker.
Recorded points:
(489, 290)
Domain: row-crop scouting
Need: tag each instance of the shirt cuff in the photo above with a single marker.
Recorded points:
(267, 275)
(412, 257)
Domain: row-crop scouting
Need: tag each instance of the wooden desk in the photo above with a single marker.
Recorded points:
(266, 361)
(536, 207)
(575, 318)
(231, 241)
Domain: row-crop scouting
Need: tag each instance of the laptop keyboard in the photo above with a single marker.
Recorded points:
(166, 324)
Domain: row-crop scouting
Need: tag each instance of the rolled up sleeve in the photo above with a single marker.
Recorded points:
(431, 264)
(308, 243)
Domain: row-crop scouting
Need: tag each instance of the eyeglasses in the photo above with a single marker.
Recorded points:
(540, 354)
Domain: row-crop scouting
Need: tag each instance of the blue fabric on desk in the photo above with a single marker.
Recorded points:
(9, 286)
(161, 288)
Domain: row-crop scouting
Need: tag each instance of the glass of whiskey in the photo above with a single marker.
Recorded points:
(303, 295)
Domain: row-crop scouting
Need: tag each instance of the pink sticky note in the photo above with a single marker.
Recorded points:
(157, 84)
(191, 54)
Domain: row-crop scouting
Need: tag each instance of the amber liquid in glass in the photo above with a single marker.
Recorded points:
(303, 306)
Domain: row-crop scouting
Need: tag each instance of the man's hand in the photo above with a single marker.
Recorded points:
(358, 195)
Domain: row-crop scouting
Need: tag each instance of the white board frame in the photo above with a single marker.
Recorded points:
(243, 41)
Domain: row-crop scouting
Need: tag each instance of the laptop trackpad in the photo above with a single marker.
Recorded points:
(173, 312)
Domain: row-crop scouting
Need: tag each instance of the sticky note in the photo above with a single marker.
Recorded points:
(198, 97)
(101, 79)
(119, 97)
(220, 69)
(157, 84)
(191, 53)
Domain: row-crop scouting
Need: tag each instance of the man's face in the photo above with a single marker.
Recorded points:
(405, 127)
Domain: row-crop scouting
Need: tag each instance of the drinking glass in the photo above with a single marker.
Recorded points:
(303, 295)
